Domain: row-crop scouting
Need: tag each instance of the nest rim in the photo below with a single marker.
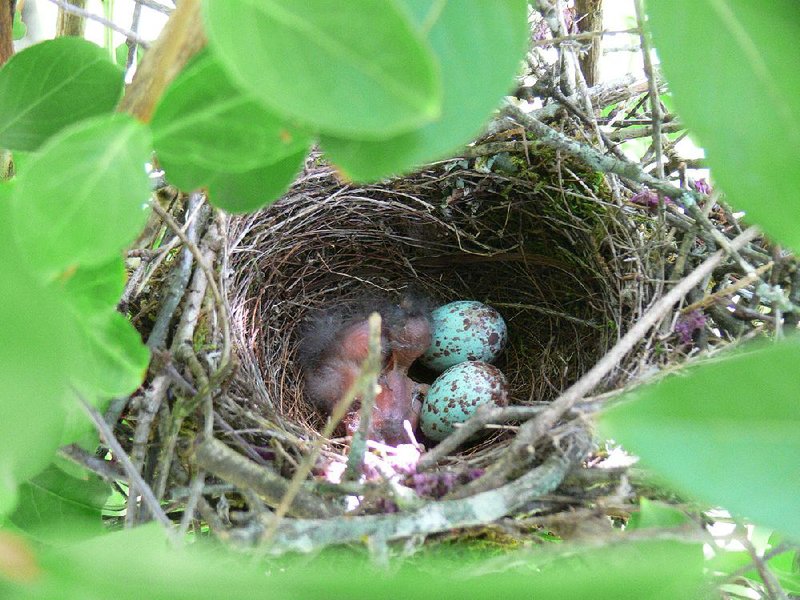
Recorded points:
(327, 242)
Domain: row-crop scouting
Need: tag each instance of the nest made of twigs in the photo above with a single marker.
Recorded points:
(537, 240)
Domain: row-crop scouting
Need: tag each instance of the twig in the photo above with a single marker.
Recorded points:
(240, 441)
(72, 9)
(195, 492)
(779, 549)
(594, 159)
(771, 583)
(217, 458)
(483, 416)
(210, 516)
(588, 119)
(213, 489)
(730, 290)
(90, 462)
(219, 301)
(151, 403)
(602, 94)
(183, 348)
(655, 102)
(130, 61)
(177, 281)
(371, 366)
(632, 132)
(586, 36)
(627, 170)
(521, 449)
(156, 6)
(131, 471)
(141, 277)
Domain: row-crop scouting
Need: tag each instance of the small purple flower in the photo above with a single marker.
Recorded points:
(702, 186)
(689, 323)
(425, 484)
(474, 474)
(646, 198)
(541, 31)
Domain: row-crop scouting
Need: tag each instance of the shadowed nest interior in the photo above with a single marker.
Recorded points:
(529, 237)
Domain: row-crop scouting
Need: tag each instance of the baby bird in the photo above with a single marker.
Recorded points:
(408, 337)
(334, 346)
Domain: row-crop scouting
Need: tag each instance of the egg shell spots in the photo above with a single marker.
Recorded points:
(456, 395)
(462, 331)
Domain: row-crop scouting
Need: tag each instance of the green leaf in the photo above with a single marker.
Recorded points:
(728, 65)
(51, 85)
(204, 125)
(655, 514)
(784, 566)
(82, 199)
(96, 289)
(156, 572)
(247, 192)
(355, 68)
(37, 355)
(479, 46)
(115, 357)
(19, 29)
(727, 432)
(55, 507)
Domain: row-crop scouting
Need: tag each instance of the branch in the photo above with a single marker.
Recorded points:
(152, 5)
(181, 38)
(85, 14)
(69, 23)
(655, 101)
(594, 159)
(486, 414)
(303, 535)
(177, 280)
(214, 456)
(627, 170)
(133, 474)
(6, 30)
(151, 402)
(202, 263)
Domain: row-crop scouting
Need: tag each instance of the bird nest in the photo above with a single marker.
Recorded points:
(573, 266)
(533, 237)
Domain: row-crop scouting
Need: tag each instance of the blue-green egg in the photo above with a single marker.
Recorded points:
(456, 395)
(464, 330)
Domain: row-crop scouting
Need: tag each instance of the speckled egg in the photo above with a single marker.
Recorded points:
(456, 395)
(464, 330)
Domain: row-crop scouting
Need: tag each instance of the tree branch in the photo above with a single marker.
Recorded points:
(306, 535)
(181, 38)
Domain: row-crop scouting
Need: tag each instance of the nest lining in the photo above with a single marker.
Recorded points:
(540, 245)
